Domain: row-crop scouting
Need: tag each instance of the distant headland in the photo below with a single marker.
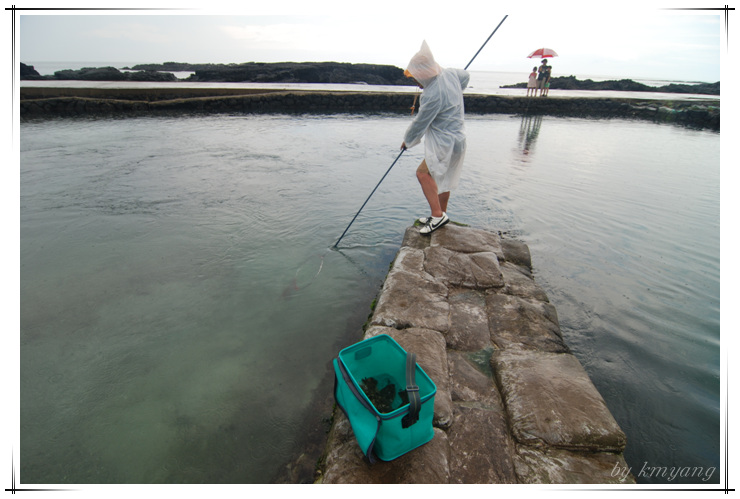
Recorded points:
(573, 83)
(321, 72)
(107, 73)
(253, 72)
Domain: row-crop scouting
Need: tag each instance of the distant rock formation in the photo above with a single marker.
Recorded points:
(29, 73)
(626, 85)
(96, 74)
(168, 66)
(257, 72)
(288, 72)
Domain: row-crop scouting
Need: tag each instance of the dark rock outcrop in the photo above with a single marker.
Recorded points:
(625, 85)
(256, 72)
(302, 72)
(168, 66)
(91, 74)
(29, 73)
(61, 101)
(108, 73)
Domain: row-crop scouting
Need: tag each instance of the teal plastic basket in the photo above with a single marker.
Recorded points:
(385, 435)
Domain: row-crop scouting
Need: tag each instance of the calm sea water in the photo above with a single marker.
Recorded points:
(482, 82)
(180, 304)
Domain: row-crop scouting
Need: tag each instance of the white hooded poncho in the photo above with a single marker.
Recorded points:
(440, 119)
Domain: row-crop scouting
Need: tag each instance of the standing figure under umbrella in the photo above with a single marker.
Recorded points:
(545, 70)
(543, 76)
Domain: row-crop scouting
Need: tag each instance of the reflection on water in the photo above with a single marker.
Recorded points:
(180, 304)
(528, 132)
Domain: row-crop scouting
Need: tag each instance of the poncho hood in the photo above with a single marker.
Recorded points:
(422, 66)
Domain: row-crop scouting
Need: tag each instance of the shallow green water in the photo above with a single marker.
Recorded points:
(180, 304)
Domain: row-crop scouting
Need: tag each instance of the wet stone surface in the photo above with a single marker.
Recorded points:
(513, 404)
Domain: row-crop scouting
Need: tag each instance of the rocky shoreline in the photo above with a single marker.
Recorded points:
(41, 102)
(322, 72)
(61, 101)
(251, 72)
(573, 83)
(108, 73)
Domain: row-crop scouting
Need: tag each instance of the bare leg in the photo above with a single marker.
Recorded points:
(429, 188)
(443, 199)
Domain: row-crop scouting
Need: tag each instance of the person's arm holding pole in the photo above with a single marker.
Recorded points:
(421, 124)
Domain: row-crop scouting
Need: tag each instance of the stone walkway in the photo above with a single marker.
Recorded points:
(47, 101)
(513, 404)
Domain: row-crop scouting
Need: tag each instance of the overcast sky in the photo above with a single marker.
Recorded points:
(621, 42)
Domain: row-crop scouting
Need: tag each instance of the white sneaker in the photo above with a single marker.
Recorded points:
(424, 220)
(434, 223)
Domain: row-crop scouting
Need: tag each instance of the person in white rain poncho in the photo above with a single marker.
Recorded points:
(441, 121)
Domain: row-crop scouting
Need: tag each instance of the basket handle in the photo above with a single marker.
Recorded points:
(413, 392)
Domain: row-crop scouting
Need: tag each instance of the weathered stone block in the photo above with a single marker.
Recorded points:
(465, 270)
(516, 252)
(431, 354)
(563, 466)
(467, 240)
(413, 239)
(468, 321)
(551, 401)
(515, 322)
(519, 282)
(481, 450)
(410, 260)
(411, 300)
(470, 386)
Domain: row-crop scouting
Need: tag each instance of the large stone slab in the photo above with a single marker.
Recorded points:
(431, 354)
(412, 300)
(518, 281)
(468, 321)
(410, 260)
(345, 463)
(563, 466)
(467, 240)
(516, 252)
(413, 239)
(469, 385)
(465, 270)
(516, 322)
(551, 401)
(481, 450)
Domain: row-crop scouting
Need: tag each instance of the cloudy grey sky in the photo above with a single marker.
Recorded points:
(632, 41)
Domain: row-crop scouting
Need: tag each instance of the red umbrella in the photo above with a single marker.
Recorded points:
(543, 52)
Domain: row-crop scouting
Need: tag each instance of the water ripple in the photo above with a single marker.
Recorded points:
(167, 279)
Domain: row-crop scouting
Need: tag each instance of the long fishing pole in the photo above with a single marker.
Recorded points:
(484, 43)
(368, 198)
(403, 150)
